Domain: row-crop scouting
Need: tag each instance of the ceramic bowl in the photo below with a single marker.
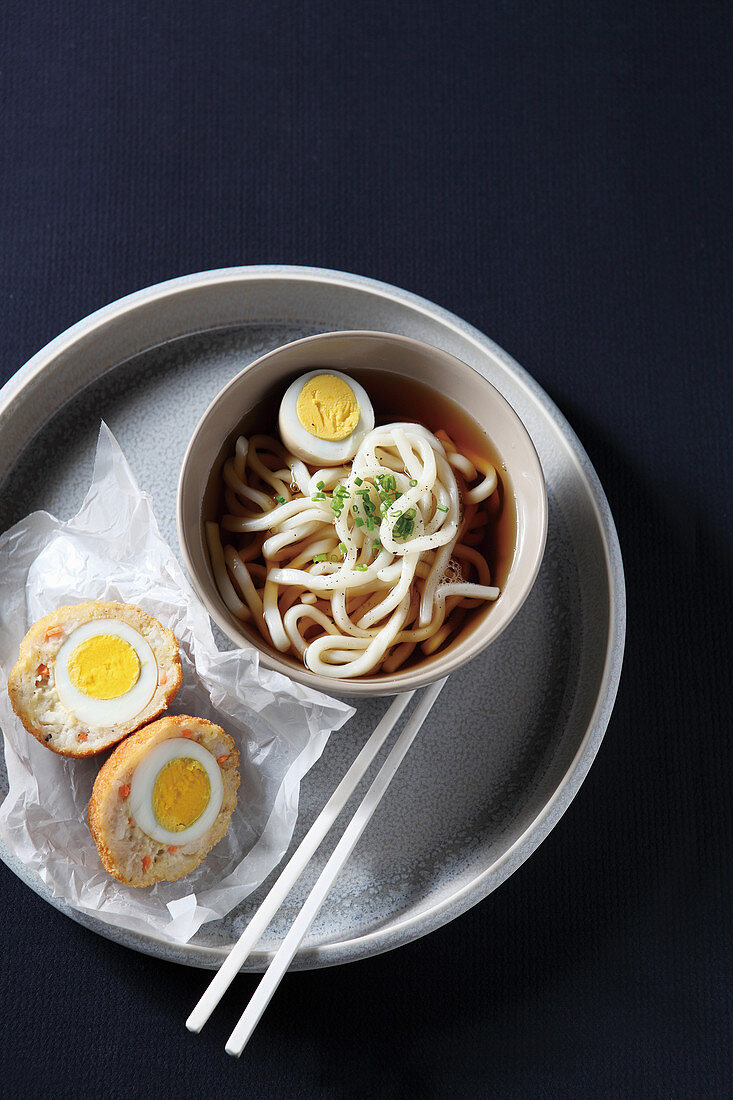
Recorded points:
(396, 365)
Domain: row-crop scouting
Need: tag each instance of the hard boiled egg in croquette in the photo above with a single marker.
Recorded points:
(324, 416)
(89, 674)
(163, 799)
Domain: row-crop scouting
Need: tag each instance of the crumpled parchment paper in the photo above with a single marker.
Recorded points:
(112, 550)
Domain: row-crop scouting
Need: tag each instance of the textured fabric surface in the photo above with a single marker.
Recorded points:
(558, 176)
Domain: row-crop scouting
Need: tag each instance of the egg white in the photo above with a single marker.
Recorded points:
(143, 781)
(309, 448)
(106, 712)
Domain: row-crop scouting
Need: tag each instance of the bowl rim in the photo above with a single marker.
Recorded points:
(402, 681)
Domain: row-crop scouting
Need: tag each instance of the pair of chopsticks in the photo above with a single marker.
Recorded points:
(297, 864)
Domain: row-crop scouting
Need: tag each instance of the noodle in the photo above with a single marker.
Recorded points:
(349, 568)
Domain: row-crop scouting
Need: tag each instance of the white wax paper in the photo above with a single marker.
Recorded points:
(112, 550)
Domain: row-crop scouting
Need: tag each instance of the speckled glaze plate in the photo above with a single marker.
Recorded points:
(512, 735)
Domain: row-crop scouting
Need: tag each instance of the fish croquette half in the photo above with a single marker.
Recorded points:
(89, 674)
(163, 800)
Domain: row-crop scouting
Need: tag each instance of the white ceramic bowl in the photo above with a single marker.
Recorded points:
(257, 390)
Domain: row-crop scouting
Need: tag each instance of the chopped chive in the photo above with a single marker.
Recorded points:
(370, 523)
(321, 485)
(358, 522)
(319, 557)
(342, 547)
(378, 544)
(442, 507)
(413, 483)
(358, 481)
(355, 508)
(280, 499)
(361, 568)
(318, 496)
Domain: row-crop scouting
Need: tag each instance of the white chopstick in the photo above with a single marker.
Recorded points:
(284, 955)
(295, 867)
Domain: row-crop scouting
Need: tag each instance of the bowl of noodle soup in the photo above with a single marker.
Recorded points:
(381, 572)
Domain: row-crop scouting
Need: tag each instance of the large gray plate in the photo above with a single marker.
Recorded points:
(513, 734)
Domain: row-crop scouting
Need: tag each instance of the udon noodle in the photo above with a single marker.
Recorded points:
(351, 568)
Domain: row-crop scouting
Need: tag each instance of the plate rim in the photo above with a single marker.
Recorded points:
(442, 910)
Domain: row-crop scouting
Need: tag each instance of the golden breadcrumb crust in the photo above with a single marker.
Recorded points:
(31, 683)
(126, 851)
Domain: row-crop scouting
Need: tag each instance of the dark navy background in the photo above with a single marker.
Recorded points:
(559, 175)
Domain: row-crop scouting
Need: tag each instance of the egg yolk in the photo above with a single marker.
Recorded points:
(104, 667)
(181, 793)
(327, 407)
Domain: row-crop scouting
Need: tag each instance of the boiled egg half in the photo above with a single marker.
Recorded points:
(105, 672)
(176, 791)
(324, 416)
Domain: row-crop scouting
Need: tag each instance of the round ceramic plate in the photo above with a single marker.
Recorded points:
(512, 735)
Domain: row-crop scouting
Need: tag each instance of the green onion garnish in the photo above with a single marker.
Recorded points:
(342, 547)
(358, 522)
(413, 482)
(370, 523)
(318, 496)
(404, 526)
(358, 481)
(355, 508)
(280, 499)
(378, 544)
(319, 557)
(361, 568)
(321, 485)
(442, 507)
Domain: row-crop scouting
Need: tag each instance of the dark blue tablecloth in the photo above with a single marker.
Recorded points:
(558, 175)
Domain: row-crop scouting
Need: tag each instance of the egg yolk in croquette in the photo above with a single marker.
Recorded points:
(181, 793)
(104, 666)
(327, 407)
